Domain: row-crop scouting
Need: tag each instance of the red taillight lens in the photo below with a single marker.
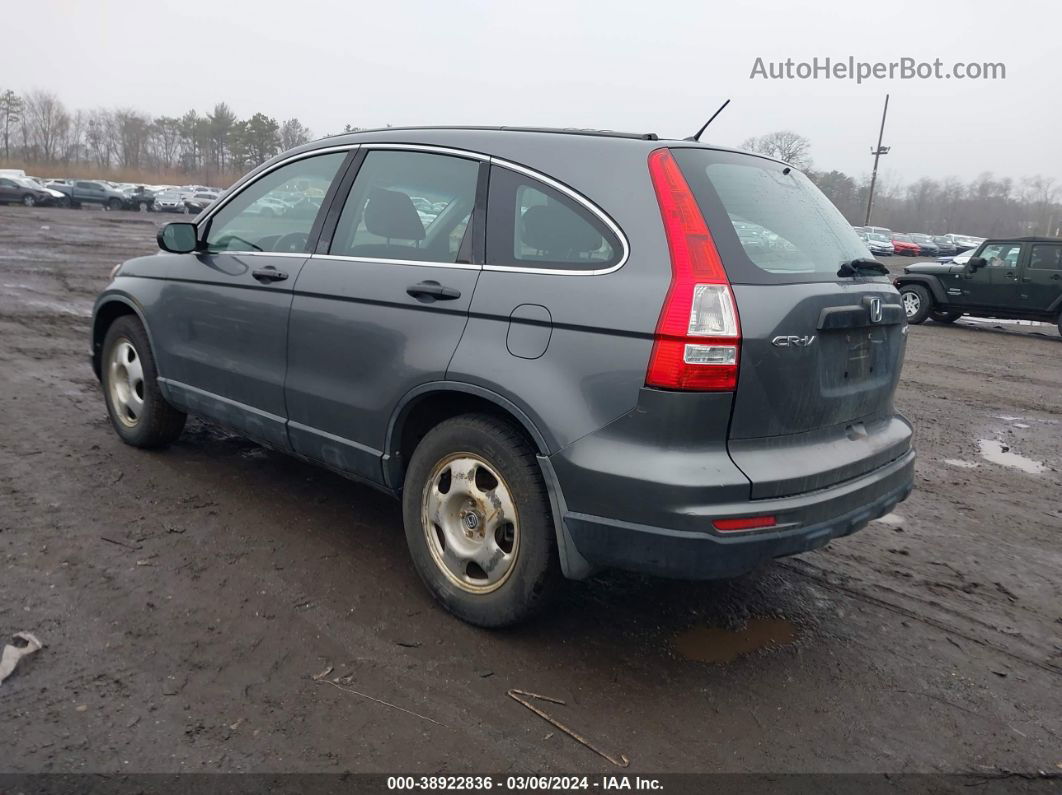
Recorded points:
(745, 523)
(699, 333)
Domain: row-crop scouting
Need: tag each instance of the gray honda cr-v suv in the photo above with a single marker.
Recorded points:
(563, 350)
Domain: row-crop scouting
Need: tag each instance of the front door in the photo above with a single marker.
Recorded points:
(382, 306)
(223, 320)
(995, 284)
(1041, 278)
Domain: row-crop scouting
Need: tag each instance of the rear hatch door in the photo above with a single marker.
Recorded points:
(821, 353)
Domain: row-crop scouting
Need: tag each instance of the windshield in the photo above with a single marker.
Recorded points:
(879, 238)
(781, 227)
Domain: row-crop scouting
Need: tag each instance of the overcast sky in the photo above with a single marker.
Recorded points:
(644, 66)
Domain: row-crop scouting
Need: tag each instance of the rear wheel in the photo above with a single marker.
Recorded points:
(944, 315)
(478, 521)
(28, 200)
(139, 413)
(143, 207)
(915, 300)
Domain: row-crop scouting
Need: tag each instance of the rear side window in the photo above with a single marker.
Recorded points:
(409, 206)
(1046, 257)
(532, 225)
(770, 223)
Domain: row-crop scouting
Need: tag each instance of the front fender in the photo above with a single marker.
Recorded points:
(931, 283)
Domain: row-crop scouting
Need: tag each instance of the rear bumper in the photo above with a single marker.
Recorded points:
(806, 522)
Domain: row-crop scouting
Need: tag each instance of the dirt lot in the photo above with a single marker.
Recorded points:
(188, 597)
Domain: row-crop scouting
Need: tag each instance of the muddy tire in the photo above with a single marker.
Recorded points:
(139, 414)
(944, 315)
(916, 302)
(478, 521)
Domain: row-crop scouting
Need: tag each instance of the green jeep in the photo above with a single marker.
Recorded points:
(1015, 278)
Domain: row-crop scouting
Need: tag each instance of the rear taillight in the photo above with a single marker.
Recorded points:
(698, 335)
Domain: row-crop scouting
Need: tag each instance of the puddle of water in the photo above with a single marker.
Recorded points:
(717, 645)
(998, 453)
(1008, 418)
(956, 462)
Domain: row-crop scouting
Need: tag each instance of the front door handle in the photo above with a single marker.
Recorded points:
(269, 274)
(433, 290)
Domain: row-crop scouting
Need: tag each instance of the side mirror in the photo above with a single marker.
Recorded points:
(976, 263)
(179, 237)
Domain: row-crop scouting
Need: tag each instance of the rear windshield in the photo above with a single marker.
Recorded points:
(769, 222)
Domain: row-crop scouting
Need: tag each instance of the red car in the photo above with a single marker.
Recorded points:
(905, 247)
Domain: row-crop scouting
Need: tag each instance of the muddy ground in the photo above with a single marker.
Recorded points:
(188, 597)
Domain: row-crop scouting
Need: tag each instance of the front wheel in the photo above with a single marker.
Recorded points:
(139, 413)
(114, 204)
(478, 522)
(28, 200)
(916, 303)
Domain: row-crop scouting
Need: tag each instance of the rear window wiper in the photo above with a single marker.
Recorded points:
(861, 266)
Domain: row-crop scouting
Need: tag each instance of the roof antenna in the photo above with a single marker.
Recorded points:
(697, 137)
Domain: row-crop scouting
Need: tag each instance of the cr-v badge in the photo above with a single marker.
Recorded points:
(793, 342)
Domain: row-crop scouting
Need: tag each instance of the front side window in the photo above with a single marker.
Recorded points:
(531, 225)
(1002, 255)
(276, 212)
(769, 221)
(407, 205)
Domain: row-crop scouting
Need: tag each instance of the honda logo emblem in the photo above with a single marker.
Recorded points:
(874, 307)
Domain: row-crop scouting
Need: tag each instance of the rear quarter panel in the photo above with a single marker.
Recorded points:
(602, 325)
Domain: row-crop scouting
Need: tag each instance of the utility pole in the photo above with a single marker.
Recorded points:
(878, 152)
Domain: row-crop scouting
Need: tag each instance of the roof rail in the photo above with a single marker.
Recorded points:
(556, 130)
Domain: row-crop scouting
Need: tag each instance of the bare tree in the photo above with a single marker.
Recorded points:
(10, 115)
(785, 145)
(48, 122)
(293, 134)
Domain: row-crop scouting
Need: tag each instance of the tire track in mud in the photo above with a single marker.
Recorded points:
(820, 576)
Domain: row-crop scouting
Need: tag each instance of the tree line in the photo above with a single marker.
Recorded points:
(36, 128)
(215, 147)
(987, 206)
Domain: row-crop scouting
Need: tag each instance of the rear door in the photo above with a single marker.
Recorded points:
(8, 190)
(221, 320)
(1041, 278)
(381, 307)
(820, 354)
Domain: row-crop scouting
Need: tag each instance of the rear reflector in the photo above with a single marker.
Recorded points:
(745, 523)
(698, 334)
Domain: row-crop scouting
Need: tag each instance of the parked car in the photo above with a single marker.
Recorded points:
(19, 190)
(926, 246)
(878, 244)
(170, 201)
(1013, 278)
(904, 246)
(945, 248)
(879, 230)
(599, 371)
(200, 201)
(79, 192)
(140, 198)
(964, 242)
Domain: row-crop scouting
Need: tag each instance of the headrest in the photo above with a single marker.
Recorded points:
(391, 214)
(555, 229)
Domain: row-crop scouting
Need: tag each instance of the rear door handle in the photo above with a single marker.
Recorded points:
(269, 274)
(432, 289)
